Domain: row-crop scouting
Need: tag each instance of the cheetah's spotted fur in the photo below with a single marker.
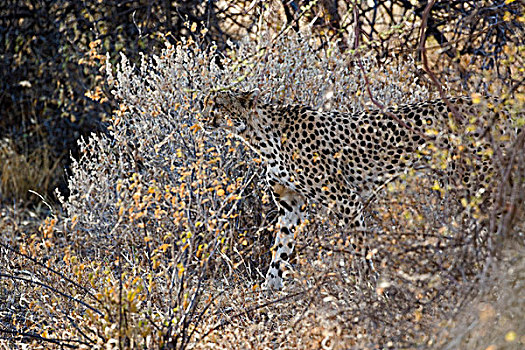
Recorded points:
(331, 158)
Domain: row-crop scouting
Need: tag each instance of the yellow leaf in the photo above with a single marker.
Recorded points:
(476, 98)
(220, 192)
(431, 132)
(471, 128)
(156, 263)
(488, 152)
(510, 336)
(418, 315)
(195, 128)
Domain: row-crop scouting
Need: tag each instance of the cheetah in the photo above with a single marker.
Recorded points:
(332, 158)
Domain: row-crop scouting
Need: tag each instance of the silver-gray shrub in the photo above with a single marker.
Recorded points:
(159, 105)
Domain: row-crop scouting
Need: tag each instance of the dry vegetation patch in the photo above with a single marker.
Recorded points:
(164, 236)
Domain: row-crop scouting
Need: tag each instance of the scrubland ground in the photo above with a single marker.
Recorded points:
(164, 239)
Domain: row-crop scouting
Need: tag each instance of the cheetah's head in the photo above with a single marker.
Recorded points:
(229, 110)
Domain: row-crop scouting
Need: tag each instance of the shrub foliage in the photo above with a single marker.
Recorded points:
(165, 235)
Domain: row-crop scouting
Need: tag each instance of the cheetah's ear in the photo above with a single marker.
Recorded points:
(249, 98)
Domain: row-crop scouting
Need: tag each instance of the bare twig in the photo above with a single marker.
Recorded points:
(424, 58)
(247, 311)
(53, 290)
(59, 342)
(85, 290)
(367, 82)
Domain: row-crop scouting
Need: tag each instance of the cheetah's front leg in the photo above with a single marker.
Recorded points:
(292, 207)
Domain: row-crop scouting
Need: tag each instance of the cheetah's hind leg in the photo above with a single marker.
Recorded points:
(351, 210)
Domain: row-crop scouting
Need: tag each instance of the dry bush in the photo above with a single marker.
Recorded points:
(166, 233)
(45, 48)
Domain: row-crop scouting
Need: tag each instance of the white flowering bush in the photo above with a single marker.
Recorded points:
(166, 233)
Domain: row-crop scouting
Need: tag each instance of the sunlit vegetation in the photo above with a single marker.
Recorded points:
(163, 237)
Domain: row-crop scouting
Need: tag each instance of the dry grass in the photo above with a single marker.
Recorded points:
(21, 173)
